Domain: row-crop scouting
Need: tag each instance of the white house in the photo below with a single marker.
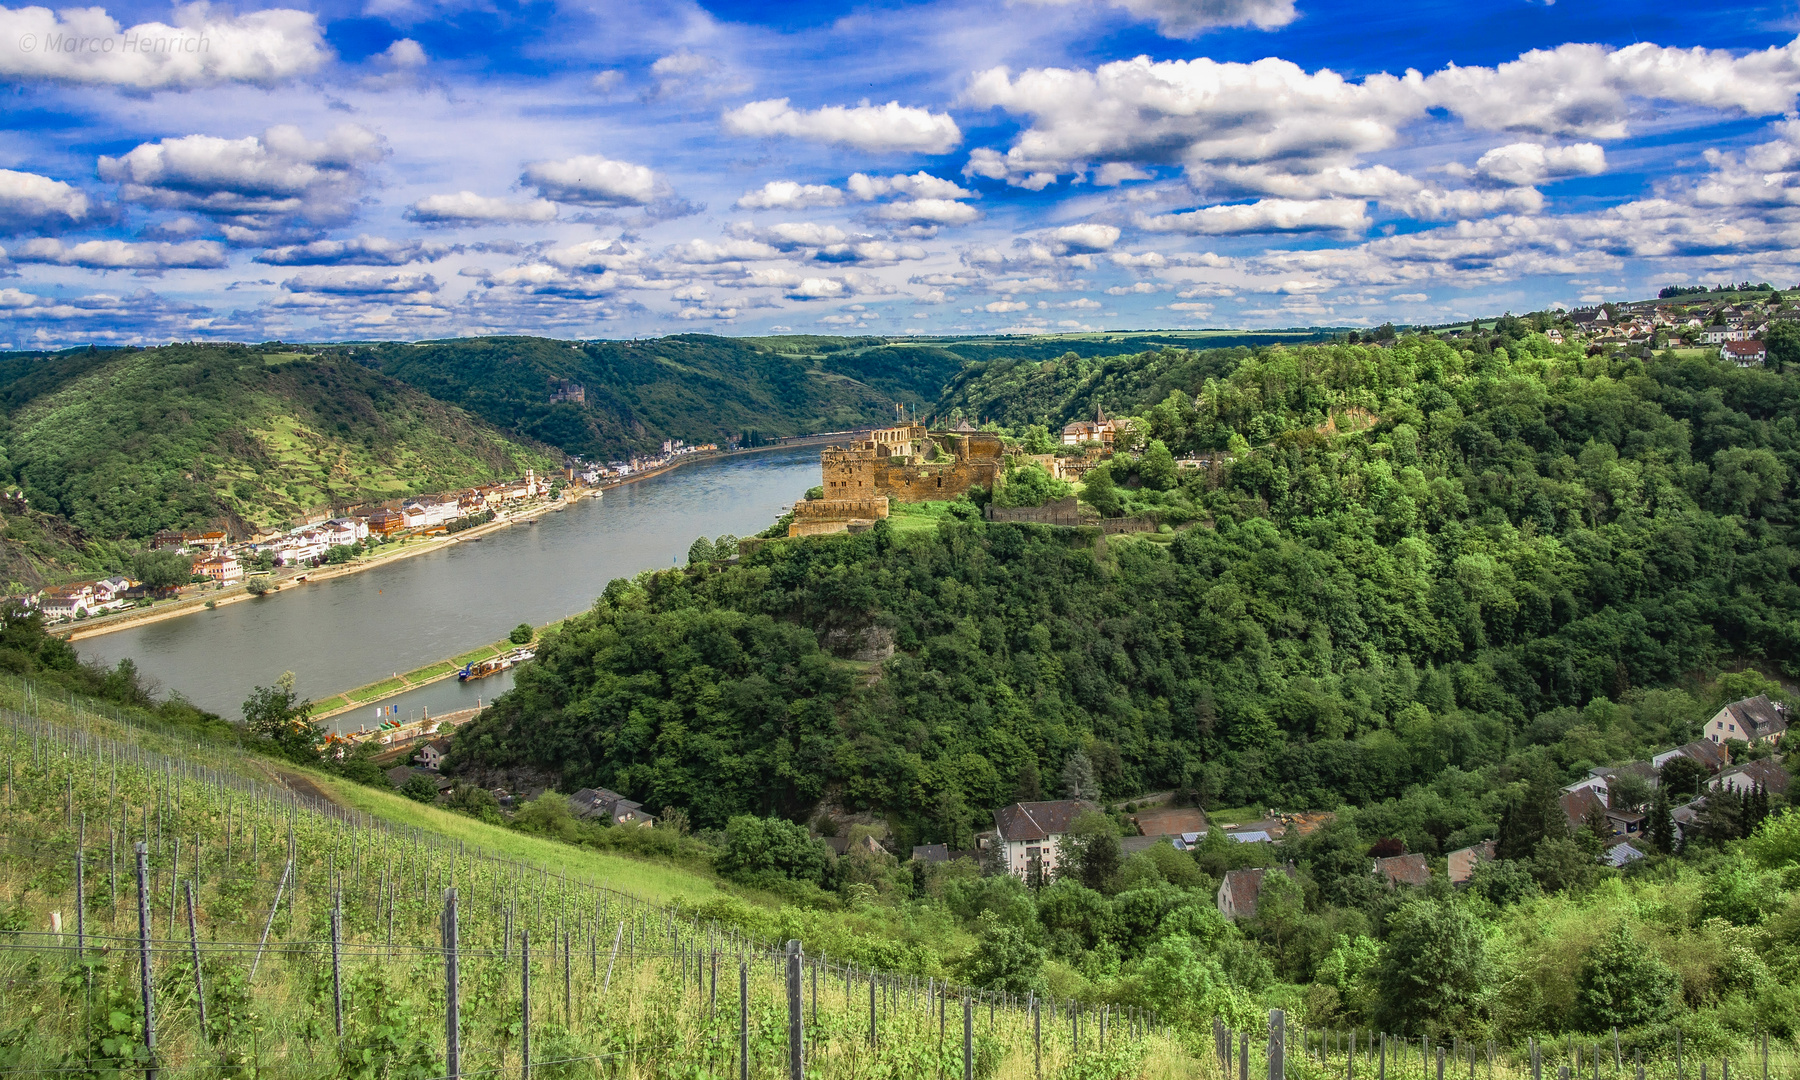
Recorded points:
(345, 530)
(67, 601)
(1752, 720)
(1596, 784)
(419, 514)
(1027, 834)
(1744, 353)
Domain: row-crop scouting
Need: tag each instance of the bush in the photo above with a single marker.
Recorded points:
(1623, 984)
(522, 634)
(759, 851)
(420, 788)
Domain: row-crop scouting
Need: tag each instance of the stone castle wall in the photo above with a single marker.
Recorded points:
(817, 517)
(1060, 512)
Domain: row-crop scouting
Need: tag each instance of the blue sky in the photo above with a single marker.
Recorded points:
(407, 169)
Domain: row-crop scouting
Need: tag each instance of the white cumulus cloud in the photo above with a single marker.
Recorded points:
(920, 185)
(1587, 90)
(1264, 215)
(1087, 238)
(790, 195)
(122, 254)
(206, 46)
(592, 180)
(364, 250)
(33, 203)
(256, 186)
(468, 208)
(1527, 164)
(877, 128)
(927, 212)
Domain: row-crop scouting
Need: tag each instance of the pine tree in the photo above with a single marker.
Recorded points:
(1662, 823)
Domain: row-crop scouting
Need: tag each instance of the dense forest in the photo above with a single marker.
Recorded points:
(122, 443)
(1512, 571)
(1426, 586)
(638, 393)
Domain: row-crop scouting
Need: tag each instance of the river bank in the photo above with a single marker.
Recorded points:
(354, 630)
(208, 601)
(402, 682)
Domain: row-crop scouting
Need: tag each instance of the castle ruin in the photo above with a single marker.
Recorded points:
(900, 464)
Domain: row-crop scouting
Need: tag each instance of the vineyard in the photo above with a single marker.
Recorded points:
(167, 912)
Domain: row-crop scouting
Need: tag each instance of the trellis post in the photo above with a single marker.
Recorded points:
(144, 980)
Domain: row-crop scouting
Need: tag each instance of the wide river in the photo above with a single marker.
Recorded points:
(354, 630)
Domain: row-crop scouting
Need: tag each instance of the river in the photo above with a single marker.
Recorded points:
(352, 630)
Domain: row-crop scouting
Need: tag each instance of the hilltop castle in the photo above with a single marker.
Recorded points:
(899, 464)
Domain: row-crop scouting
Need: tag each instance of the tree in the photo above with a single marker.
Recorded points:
(1089, 852)
(1529, 818)
(1777, 842)
(1782, 340)
(475, 801)
(1078, 778)
(763, 850)
(1157, 467)
(161, 571)
(522, 634)
(339, 554)
(1744, 479)
(1624, 984)
(420, 787)
(277, 714)
(1562, 864)
(1504, 882)
(1434, 971)
(1661, 826)
(1097, 491)
(1030, 485)
(1628, 791)
(702, 552)
(1596, 824)
(1683, 778)
(725, 547)
(1005, 959)
(1038, 440)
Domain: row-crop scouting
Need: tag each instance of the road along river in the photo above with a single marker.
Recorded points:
(356, 629)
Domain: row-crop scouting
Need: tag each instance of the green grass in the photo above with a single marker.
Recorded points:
(651, 881)
(1235, 815)
(431, 671)
(373, 690)
(917, 517)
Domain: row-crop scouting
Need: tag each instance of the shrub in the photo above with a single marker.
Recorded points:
(760, 849)
(1623, 984)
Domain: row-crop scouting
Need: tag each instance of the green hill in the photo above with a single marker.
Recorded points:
(692, 387)
(124, 443)
(1526, 562)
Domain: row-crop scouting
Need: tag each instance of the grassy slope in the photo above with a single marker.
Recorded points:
(186, 435)
(657, 882)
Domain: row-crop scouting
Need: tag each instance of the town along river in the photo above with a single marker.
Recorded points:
(353, 630)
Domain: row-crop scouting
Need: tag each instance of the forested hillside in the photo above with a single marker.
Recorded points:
(1509, 577)
(692, 387)
(123, 443)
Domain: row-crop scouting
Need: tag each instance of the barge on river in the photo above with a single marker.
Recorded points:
(481, 669)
